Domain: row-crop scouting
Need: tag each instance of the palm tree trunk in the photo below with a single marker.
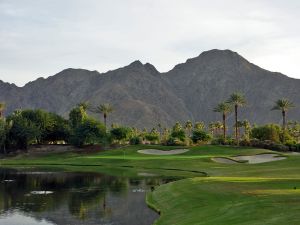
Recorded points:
(283, 126)
(104, 121)
(236, 124)
(224, 126)
(283, 120)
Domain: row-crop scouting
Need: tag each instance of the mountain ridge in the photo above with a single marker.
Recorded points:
(142, 96)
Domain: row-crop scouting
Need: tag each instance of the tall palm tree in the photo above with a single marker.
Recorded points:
(237, 100)
(223, 108)
(104, 109)
(2, 108)
(284, 105)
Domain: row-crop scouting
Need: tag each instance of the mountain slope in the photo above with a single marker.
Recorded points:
(204, 81)
(143, 97)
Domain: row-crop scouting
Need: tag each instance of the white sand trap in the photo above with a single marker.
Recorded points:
(261, 158)
(251, 159)
(160, 152)
(224, 160)
(41, 192)
(292, 153)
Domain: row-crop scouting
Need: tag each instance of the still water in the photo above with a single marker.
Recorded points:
(39, 197)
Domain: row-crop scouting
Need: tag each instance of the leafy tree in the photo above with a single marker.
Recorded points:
(120, 133)
(178, 132)
(77, 115)
(104, 109)
(225, 109)
(4, 130)
(267, 132)
(200, 136)
(89, 131)
(294, 129)
(284, 105)
(41, 119)
(237, 100)
(23, 131)
(57, 130)
(152, 136)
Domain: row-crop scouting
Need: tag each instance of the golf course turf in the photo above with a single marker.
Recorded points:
(209, 192)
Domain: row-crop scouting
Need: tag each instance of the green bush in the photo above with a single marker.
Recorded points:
(174, 142)
(135, 141)
(178, 134)
(89, 131)
(120, 133)
(267, 132)
(200, 136)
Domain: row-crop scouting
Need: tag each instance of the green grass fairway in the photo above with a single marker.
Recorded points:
(267, 193)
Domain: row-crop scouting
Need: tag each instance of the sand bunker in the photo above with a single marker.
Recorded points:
(251, 159)
(160, 152)
(224, 160)
(41, 192)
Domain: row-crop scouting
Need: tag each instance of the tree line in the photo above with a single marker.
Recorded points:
(25, 127)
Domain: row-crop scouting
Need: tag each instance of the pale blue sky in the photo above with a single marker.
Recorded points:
(42, 37)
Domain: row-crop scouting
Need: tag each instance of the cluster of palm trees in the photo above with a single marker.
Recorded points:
(237, 100)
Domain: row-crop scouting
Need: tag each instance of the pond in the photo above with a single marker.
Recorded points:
(40, 197)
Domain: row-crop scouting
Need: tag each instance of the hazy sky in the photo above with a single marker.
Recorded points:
(43, 37)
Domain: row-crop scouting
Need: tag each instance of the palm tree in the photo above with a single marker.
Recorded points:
(223, 108)
(104, 109)
(84, 105)
(199, 125)
(284, 105)
(215, 127)
(247, 127)
(189, 126)
(2, 108)
(236, 99)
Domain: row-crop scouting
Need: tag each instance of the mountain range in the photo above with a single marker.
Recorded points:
(143, 97)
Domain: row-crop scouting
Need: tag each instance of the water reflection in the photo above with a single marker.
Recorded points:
(37, 197)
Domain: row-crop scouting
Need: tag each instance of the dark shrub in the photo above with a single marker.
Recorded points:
(135, 141)
(200, 136)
